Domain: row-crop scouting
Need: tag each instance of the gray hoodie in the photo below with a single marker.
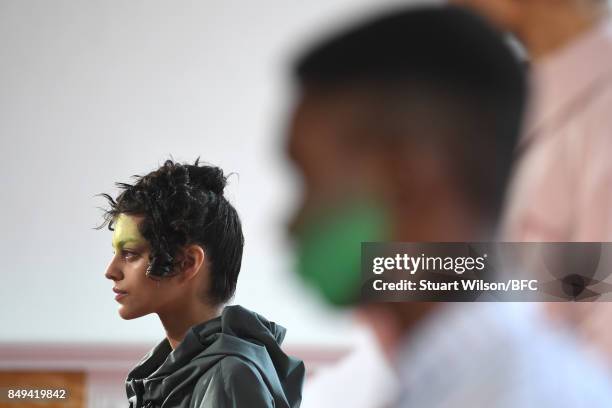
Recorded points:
(234, 360)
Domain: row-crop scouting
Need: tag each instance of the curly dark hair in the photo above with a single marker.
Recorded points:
(183, 204)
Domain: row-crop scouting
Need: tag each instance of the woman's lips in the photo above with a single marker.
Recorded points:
(120, 293)
(120, 296)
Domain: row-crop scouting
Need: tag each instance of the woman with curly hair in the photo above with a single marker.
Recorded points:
(177, 252)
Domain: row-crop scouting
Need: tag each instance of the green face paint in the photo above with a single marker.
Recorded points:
(329, 248)
(126, 232)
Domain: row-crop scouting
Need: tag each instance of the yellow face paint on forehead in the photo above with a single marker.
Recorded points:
(126, 231)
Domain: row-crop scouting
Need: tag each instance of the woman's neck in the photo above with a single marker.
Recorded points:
(177, 321)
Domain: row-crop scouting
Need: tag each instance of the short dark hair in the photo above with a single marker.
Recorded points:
(184, 204)
(424, 55)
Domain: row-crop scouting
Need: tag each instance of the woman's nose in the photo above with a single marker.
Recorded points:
(113, 272)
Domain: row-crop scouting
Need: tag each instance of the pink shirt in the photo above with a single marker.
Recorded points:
(562, 185)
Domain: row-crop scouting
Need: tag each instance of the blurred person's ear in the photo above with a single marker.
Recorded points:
(420, 181)
(418, 173)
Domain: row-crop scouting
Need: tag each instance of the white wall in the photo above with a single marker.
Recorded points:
(92, 92)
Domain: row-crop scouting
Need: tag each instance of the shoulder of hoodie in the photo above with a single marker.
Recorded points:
(237, 378)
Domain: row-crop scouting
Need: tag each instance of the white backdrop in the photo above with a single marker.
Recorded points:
(92, 92)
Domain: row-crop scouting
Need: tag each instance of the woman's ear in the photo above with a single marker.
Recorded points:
(191, 262)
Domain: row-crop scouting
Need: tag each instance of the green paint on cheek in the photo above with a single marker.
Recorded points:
(126, 231)
(329, 248)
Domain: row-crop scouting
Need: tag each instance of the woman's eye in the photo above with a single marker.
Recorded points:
(129, 255)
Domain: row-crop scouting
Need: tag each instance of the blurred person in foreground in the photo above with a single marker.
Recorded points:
(403, 130)
(562, 186)
(177, 253)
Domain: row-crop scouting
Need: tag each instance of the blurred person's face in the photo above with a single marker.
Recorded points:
(137, 294)
(342, 199)
(359, 185)
(332, 169)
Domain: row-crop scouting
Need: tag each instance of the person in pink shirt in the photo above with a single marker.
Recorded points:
(562, 181)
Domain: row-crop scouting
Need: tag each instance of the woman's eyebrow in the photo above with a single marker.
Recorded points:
(120, 244)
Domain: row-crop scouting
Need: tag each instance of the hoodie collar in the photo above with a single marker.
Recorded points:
(163, 360)
(237, 332)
